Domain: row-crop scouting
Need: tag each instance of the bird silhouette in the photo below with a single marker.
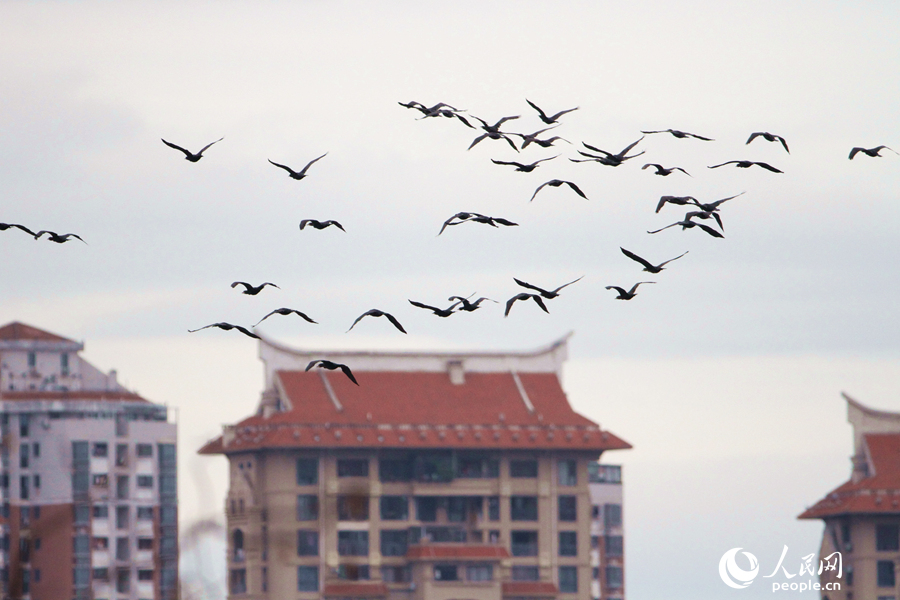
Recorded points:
(320, 224)
(746, 164)
(661, 170)
(188, 155)
(608, 158)
(285, 312)
(548, 294)
(493, 132)
(705, 214)
(5, 226)
(677, 200)
(441, 312)
(873, 152)
(331, 366)
(543, 116)
(470, 306)
(521, 167)
(524, 296)
(58, 238)
(464, 217)
(623, 295)
(557, 183)
(378, 313)
(650, 268)
(298, 175)
(769, 137)
(713, 206)
(252, 290)
(681, 134)
(529, 138)
(227, 327)
(690, 225)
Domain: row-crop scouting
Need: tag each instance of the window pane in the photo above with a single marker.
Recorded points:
(353, 543)
(353, 467)
(567, 472)
(523, 508)
(307, 507)
(568, 543)
(568, 510)
(307, 473)
(568, 580)
(307, 579)
(523, 468)
(394, 542)
(426, 509)
(353, 507)
(307, 543)
(887, 537)
(524, 543)
(523, 573)
(394, 470)
(886, 576)
(394, 508)
(612, 515)
(479, 572)
(613, 545)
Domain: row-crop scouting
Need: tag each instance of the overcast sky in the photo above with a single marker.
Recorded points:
(725, 375)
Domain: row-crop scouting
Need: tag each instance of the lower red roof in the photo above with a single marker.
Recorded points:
(457, 552)
(543, 589)
(356, 589)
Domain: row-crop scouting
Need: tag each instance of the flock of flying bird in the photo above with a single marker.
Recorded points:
(704, 211)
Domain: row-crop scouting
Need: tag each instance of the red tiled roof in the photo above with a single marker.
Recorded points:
(419, 410)
(90, 395)
(356, 589)
(878, 493)
(529, 588)
(457, 552)
(21, 331)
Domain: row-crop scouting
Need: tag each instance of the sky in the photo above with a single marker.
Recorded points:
(726, 374)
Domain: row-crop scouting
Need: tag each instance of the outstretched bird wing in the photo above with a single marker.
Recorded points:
(171, 145)
(285, 167)
(634, 256)
(303, 172)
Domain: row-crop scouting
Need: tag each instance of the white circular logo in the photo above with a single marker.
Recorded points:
(732, 574)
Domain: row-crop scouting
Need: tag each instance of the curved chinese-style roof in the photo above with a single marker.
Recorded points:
(877, 493)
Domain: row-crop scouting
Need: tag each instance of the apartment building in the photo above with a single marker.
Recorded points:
(607, 532)
(440, 476)
(87, 477)
(862, 516)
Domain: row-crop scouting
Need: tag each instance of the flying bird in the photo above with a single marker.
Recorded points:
(681, 134)
(470, 306)
(677, 200)
(298, 175)
(523, 296)
(55, 237)
(548, 294)
(320, 224)
(378, 313)
(769, 137)
(650, 268)
(252, 290)
(528, 138)
(661, 170)
(690, 225)
(5, 226)
(705, 214)
(331, 366)
(543, 116)
(440, 312)
(285, 312)
(188, 155)
(523, 168)
(713, 206)
(609, 159)
(873, 152)
(227, 327)
(464, 217)
(623, 295)
(745, 164)
(557, 183)
(493, 132)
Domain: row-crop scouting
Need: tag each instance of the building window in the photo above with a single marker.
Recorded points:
(24, 425)
(523, 468)
(144, 513)
(24, 486)
(122, 517)
(886, 576)
(354, 507)
(101, 450)
(396, 574)
(568, 580)
(394, 542)
(524, 543)
(426, 509)
(595, 511)
(394, 508)
(238, 581)
(494, 508)
(568, 508)
(446, 572)
(237, 545)
(36, 449)
(567, 472)
(391, 469)
(456, 509)
(568, 543)
(32, 360)
(145, 574)
(353, 467)
(525, 573)
(145, 543)
(81, 544)
(101, 574)
(475, 467)
(308, 474)
(307, 507)
(167, 484)
(353, 572)
(37, 485)
(145, 481)
(307, 542)
(307, 579)
(123, 550)
(595, 542)
(121, 455)
(100, 480)
(144, 450)
(122, 487)
(81, 576)
(479, 572)
(24, 456)
(614, 577)
(167, 515)
(523, 508)
(64, 364)
(613, 545)
(82, 514)
(353, 543)
(887, 538)
(612, 515)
